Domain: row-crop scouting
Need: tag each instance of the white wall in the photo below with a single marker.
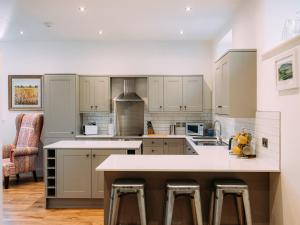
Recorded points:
(108, 58)
(259, 24)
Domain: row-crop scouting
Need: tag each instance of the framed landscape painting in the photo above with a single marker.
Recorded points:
(25, 92)
(286, 71)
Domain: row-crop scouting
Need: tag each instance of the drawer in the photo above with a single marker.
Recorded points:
(153, 142)
(153, 150)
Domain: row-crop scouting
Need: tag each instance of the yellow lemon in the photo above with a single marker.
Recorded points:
(236, 150)
(243, 140)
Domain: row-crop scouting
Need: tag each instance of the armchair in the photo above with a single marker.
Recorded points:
(21, 155)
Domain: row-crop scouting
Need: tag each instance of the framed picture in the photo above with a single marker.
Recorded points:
(286, 71)
(25, 92)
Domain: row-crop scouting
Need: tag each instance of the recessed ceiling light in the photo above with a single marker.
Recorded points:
(21, 32)
(81, 8)
(181, 32)
(188, 8)
(100, 32)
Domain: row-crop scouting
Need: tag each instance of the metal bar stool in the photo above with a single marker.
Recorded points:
(191, 189)
(235, 187)
(121, 187)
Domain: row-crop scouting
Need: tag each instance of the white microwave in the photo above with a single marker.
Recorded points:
(193, 129)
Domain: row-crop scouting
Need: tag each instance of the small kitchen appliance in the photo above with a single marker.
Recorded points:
(90, 129)
(194, 129)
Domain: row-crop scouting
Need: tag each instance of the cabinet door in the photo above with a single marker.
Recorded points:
(73, 173)
(102, 96)
(172, 94)
(60, 103)
(153, 150)
(86, 93)
(155, 93)
(173, 147)
(98, 156)
(192, 90)
(225, 87)
(218, 89)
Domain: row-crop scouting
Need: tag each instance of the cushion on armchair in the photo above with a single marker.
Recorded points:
(24, 151)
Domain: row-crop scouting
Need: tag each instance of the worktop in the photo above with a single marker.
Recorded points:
(107, 136)
(95, 145)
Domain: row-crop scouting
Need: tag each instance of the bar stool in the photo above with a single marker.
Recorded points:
(191, 189)
(121, 187)
(235, 187)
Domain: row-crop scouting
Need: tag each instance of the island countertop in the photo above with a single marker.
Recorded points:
(209, 160)
(95, 145)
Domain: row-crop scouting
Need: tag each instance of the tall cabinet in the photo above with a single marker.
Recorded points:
(60, 107)
(235, 84)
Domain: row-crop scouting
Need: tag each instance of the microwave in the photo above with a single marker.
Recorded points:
(193, 129)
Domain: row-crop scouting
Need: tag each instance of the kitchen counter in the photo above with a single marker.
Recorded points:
(95, 145)
(104, 136)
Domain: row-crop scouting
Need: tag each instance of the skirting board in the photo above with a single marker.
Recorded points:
(71, 203)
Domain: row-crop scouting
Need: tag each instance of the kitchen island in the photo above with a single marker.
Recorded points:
(208, 164)
(70, 177)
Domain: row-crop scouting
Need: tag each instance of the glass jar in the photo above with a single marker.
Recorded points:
(291, 27)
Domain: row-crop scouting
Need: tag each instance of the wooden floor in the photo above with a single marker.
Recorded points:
(23, 204)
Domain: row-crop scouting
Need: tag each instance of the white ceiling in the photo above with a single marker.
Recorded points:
(119, 19)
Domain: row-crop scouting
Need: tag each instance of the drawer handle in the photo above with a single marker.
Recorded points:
(94, 155)
(152, 142)
(87, 155)
(184, 107)
(180, 107)
(92, 107)
(96, 106)
(160, 107)
(152, 150)
(166, 143)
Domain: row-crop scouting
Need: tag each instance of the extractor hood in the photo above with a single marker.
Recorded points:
(129, 94)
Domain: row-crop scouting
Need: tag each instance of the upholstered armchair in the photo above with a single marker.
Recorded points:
(21, 156)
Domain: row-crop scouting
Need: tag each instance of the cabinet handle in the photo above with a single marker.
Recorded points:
(72, 132)
(184, 107)
(166, 143)
(94, 155)
(87, 155)
(152, 150)
(219, 106)
(152, 142)
(92, 107)
(96, 106)
(180, 107)
(160, 107)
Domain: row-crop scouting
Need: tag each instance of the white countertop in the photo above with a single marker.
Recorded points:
(207, 161)
(95, 145)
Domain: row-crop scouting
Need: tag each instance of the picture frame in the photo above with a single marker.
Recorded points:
(287, 76)
(25, 92)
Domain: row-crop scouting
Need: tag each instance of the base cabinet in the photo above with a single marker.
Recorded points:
(165, 146)
(98, 156)
(76, 174)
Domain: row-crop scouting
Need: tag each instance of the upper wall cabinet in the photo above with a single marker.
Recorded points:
(192, 93)
(156, 94)
(235, 84)
(175, 94)
(94, 94)
(60, 106)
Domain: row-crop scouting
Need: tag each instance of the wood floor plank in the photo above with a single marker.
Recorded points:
(23, 204)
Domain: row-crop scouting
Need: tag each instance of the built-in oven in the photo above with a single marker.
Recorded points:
(194, 129)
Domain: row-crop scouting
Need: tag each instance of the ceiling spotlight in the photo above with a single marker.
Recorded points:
(181, 32)
(21, 32)
(81, 8)
(188, 8)
(100, 32)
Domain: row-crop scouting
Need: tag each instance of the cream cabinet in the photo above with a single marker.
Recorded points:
(183, 94)
(160, 146)
(192, 93)
(73, 173)
(156, 94)
(76, 174)
(60, 106)
(235, 84)
(94, 94)
(98, 156)
(172, 94)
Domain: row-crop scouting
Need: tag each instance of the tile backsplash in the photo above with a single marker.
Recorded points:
(265, 125)
(160, 121)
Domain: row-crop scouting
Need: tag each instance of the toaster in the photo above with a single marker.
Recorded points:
(90, 129)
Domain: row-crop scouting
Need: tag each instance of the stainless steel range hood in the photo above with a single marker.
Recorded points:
(129, 94)
(129, 111)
